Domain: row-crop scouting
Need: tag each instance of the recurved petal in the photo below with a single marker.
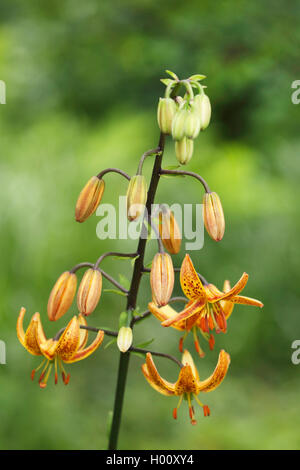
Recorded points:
(84, 353)
(83, 333)
(31, 342)
(69, 341)
(190, 282)
(240, 299)
(193, 308)
(155, 380)
(20, 329)
(239, 286)
(165, 313)
(217, 376)
(227, 305)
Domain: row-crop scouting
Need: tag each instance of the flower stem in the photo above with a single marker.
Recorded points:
(131, 301)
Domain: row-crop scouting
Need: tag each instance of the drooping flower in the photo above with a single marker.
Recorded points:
(208, 308)
(188, 385)
(70, 347)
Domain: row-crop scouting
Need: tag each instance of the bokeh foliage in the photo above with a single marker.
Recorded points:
(82, 87)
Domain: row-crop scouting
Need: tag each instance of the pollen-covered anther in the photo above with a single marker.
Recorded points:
(175, 413)
(180, 347)
(211, 342)
(206, 410)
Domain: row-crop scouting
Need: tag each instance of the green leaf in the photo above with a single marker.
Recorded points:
(138, 354)
(133, 260)
(124, 281)
(124, 257)
(178, 175)
(148, 265)
(145, 344)
(112, 341)
(172, 167)
(115, 291)
(172, 74)
(197, 77)
(166, 81)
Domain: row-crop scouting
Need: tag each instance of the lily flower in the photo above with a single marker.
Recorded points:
(208, 308)
(188, 385)
(70, 347)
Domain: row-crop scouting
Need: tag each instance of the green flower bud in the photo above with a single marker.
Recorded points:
(165, 113)
(184, 150)
(203, 106)
(192, 124)
(178, 124)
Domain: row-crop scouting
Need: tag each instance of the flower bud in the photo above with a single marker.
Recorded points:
(213, 216)
(62, 295)
(192, 123)
(202, 104)
(89, 291)
(124, 340)
(169, 231)
(89, 198)
(136, 197)
(178, 124)
(165, 113)
(162, 278)
(184, 150)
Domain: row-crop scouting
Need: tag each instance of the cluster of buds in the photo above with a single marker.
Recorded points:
(63, 293)
(184, 117)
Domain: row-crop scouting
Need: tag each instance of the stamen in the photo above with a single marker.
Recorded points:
(65, 376)
(191, 410)
(44, 383)
(182, 340)
(211, 342)
(37, 368)
(197, 344)
(177, 407)
(55, 376)
(43, 371)
(206, 409)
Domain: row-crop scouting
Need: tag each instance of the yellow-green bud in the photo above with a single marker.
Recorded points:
(203, 106)
(184, 150)
(124, 340)
(178, 124)
(136, 196)
(165, 113)
(192, 123)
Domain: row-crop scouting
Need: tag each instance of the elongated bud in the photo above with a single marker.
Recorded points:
(213, 216)
(169, 231)
(62, 295)
(89, 198)
(184, 150)
(192, 123)
(162, 278)
(124, 340)
(89, 291)
(165, 113)
(136, 197)
(202, 104)
(178, 124)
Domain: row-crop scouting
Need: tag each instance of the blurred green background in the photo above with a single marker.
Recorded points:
(82, 89)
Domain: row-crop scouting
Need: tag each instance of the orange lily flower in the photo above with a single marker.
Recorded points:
(70, 347)
(188, 385)
(208, 308)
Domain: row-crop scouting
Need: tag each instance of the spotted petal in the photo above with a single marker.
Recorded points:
(190, 281)
(214, 295)
(217, 376)
(84, 353)
(154, 379)
(240, 299)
